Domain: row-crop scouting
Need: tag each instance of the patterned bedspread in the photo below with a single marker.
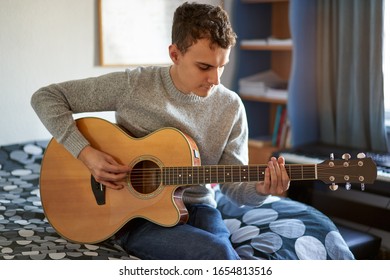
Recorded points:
(280, 229)
(24, 230)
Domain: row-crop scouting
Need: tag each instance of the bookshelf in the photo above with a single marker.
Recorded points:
(264, 44)
(266, 48)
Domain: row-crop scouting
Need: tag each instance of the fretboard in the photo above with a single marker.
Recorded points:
(194, 175)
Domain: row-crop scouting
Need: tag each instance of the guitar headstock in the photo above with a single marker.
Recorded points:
(361, 170)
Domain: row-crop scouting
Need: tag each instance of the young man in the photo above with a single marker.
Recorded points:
(188, 96)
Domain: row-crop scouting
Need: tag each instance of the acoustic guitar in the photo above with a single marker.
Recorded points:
(162, 165)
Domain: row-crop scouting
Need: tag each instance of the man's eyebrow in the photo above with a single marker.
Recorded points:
(205, 64)
(209, 65)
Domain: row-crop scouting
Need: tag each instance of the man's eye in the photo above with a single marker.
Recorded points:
(204, 67)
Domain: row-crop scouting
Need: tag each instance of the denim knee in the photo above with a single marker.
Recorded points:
(222, 249)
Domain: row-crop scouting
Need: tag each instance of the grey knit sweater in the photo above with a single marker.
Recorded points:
(145, 99)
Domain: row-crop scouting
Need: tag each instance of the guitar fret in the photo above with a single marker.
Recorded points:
(213, 174)
(226, 174)
(244, 173)
(229, 174)
(195, 175)
(238, 173)
(207, 174)
(296, 172)
(191, 176)
(254, 173)
(235, 174)
(221, 174)
(185, 176)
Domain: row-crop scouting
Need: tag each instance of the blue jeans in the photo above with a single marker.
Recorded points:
(204, 236)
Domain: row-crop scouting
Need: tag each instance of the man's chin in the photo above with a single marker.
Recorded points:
(204, 92)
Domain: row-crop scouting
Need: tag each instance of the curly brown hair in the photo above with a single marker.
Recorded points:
(194, 21)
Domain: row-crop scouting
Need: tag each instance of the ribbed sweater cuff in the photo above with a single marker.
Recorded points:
(253, 198)
(75, 142)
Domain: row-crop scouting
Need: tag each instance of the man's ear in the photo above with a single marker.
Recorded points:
(174, 53)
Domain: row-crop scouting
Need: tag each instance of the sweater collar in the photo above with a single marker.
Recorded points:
(174, 92)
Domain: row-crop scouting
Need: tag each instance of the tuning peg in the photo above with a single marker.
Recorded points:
(361, 155)
(362, 186)
(347, 186)
(346, 156)
(333, 187)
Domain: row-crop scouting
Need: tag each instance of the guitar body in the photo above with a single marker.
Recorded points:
(82, 211)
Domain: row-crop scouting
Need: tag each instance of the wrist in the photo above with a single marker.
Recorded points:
(258, 187)
(83, 153)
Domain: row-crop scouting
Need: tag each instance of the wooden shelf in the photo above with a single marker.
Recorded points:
(263, 99)
(263, 1)
(267, 47)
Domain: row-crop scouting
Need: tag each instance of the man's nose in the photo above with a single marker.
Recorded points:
(214, 77)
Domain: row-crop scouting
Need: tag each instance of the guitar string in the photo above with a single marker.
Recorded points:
(184, 181)
(251, 167)
(221, 170)
(138, 175)
(179, 170)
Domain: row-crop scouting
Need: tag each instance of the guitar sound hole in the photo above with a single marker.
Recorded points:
(145, 177)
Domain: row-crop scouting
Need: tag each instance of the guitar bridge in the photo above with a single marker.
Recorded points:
(99, 191)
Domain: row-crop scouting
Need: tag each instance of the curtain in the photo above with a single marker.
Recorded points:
(302, 100)
(349, 81)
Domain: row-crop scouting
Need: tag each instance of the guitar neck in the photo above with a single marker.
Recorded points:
(230, 173)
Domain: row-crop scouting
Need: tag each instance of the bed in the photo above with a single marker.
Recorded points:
(280, 229)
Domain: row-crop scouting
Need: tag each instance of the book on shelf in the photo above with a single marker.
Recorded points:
(254, 42)
(279, 42)
(281, 130)
(270, 41)
(278, 91)
(277, 123)
(285, 140)
(264, 84)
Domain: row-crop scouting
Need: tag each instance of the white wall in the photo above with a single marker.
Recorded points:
(43, 42)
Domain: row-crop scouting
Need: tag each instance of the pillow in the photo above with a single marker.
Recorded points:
(282, 229)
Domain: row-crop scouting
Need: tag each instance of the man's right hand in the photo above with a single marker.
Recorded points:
(104, 168)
